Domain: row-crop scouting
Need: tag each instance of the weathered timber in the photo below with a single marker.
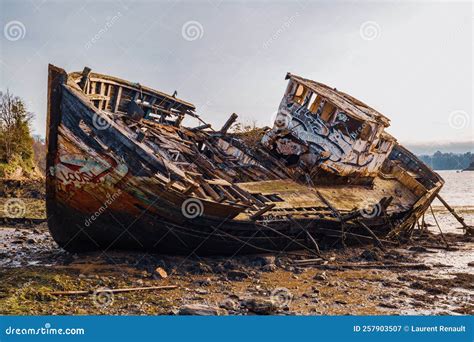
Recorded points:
(230, 121)
(182, 189)
(121, 290)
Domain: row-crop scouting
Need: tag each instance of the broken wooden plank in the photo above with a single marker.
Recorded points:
(230, 121)
(262, 211)
(453, 212)
(85, 78)
(118, 97)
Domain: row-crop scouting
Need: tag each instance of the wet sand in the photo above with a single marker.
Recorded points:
(32, 266)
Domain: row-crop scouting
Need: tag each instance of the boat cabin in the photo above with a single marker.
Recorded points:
(321, 128)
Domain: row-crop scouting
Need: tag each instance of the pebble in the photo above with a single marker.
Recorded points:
(320, 276)
(201, 310)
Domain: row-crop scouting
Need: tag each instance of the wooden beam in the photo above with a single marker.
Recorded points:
(118, 96)
(230, 121)
(262, 211)
(85, 78)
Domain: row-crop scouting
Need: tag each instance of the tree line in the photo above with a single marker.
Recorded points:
(448, 161)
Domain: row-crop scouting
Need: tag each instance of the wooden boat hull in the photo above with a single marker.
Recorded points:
(103, 193)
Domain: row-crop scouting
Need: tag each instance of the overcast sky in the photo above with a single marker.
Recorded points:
(412, 61)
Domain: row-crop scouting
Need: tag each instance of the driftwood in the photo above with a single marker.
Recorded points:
(420, 267)
(128, 289)
(309, 261)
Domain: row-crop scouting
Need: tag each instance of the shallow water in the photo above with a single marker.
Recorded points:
(458, 190)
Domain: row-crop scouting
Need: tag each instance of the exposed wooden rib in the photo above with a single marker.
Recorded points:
(118, 96)
(85, 78)
(107, 100)
(228, 123)
(262, 211)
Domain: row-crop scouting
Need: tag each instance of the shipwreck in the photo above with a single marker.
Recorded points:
(124, 173)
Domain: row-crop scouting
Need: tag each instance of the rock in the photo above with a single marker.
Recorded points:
(237, 275)
(200, 310)
(201, 291)
(417, 285)
(203, 268)
(418, 249)
(471, 264)
(160, 273)
(269, 268)
(388, 305)
(203, 282)
(370, 255)
(229, 304)
(264, 260)
(341, 302)
(320, 276)
(260, 306)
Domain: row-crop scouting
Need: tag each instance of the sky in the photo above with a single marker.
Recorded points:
(410, 60)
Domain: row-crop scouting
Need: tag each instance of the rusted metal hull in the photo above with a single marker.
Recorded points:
(108, 189)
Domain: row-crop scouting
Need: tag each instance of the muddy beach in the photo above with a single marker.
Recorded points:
(423, 277)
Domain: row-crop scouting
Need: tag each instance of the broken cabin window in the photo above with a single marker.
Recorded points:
(328, 111)
(365, 132)
(383, 145)
(347, 125)
(300, 94)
